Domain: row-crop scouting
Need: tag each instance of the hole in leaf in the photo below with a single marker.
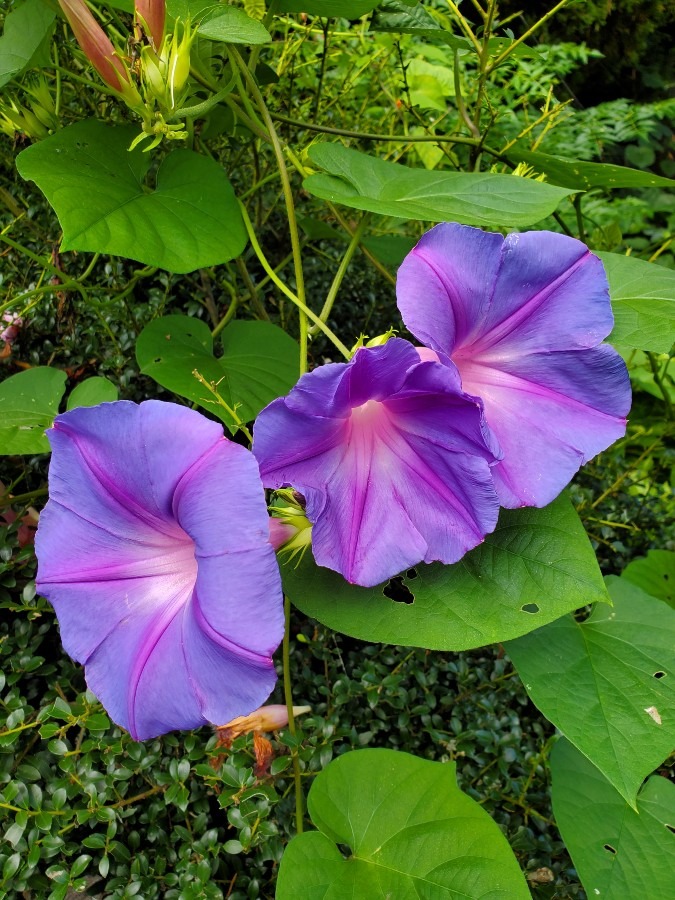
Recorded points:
(610, 849)
(659, 674)
(345, 850)
(670, 828)
(157, 359)
(529, 608)
(411, 573)
(666, 576)
(397, 591)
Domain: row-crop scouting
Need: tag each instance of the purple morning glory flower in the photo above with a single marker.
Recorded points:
(154, 551)
(392, 458)
(523, 318)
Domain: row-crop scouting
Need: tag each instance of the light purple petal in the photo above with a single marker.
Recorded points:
(154, 550)
(522, 317)
(403, 478)
(443, 286)
(550, 415)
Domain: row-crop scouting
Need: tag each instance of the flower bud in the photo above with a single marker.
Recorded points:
(99, 51)
(151, 14)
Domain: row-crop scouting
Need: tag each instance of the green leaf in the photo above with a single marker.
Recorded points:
(537, 565)
(91, 392)
(233, 26)
(28, 403)
(643, 301)
(26, 27)
(619, 853)
(259, 363)
(410, 831)
(360, 181)
(582, 176)
(402, 18)
(190, 219)
(347, 9)
(654, 574)
(608, 683)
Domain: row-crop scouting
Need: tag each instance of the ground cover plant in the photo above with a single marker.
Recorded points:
(336, 549)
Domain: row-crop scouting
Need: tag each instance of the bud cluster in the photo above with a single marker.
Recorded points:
(154, 88)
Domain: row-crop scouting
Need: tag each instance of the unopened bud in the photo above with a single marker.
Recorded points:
(151, 15)
(99, 51)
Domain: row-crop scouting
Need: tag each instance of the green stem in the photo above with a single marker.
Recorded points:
(288, 199)
(398, 138)
(530, 31)
(658, 378)
(576, 202)
(339, 275)
(212, 389)
(288, 697)
(333, 338)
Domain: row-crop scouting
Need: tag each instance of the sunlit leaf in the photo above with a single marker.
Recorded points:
(188, 220)
(360, 181)
(406, 830)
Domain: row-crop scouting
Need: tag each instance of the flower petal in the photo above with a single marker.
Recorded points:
(551, 413)
(154, 550)
(443, 286)
(404, 478)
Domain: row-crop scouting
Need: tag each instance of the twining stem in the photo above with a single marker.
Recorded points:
(288, 697)
(288, 199)
(333, 338)
(212, 389)
(368, 136)
(339, 275)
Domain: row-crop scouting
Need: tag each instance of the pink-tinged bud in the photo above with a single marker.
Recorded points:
(281, 532)
(151, 14)
(96, 44)
(10, 332)
(267, 718)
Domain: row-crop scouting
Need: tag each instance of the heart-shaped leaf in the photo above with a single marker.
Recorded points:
(189, 220)
(28, 403)
(410, 833)
(360, 181)
(620, 853)
(259, 363)
(26, 27)
(608, 683)
(537, 565)
(91, 392)
(643, 302)
(655, 574)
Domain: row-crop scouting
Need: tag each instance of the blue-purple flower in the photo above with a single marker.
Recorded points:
(393, 461)
(154, 550)
(523, 318)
